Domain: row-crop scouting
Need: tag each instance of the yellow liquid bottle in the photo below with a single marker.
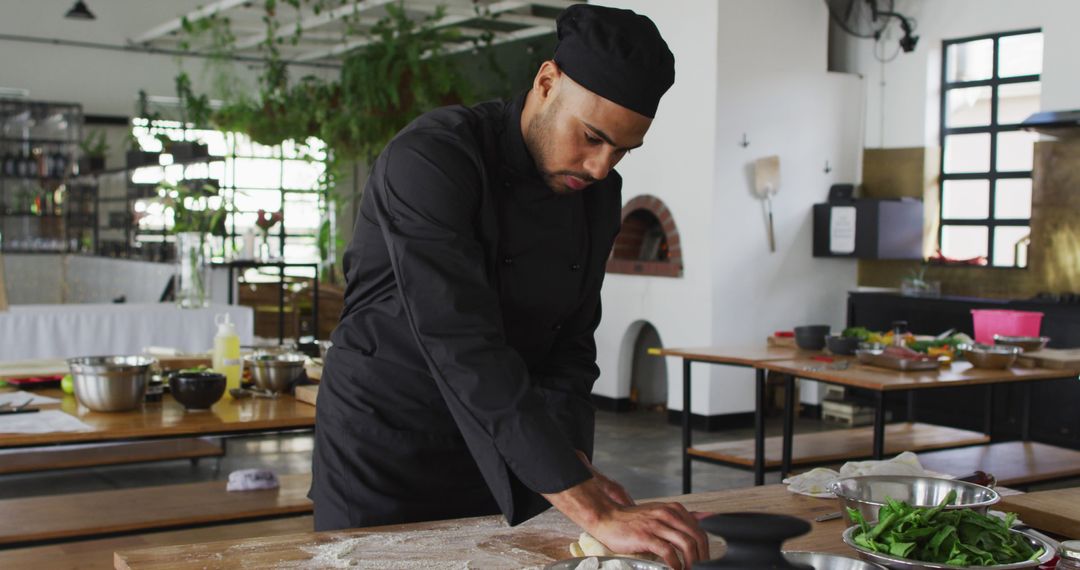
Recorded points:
(226, 356)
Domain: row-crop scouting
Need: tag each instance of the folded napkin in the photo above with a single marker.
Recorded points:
(252, 480)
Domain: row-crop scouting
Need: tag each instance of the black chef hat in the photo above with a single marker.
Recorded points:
(617, 54)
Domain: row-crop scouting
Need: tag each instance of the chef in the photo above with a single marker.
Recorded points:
(459, 380)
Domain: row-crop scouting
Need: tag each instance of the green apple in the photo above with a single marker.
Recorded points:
(67, 384)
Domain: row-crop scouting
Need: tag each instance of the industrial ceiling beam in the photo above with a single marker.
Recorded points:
(176, 23)
(445, 21)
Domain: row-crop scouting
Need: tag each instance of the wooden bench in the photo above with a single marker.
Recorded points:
(1014, 463)
(84, 515)
(93, 455)
(99, 554)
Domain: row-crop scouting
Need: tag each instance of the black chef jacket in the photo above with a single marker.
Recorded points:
(459, 379)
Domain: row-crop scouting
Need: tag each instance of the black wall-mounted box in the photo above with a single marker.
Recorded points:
(884, 229)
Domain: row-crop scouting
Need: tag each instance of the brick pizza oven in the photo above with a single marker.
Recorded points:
(648, 242)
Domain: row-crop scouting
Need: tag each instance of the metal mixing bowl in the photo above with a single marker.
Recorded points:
(276, 372)
(998, 357)
(823, 561)
(1027, 343)
(867, 494)
(110, 383)
(897, 563)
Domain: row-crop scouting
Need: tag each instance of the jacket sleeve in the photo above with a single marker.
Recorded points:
(566, 380)
(427, 191)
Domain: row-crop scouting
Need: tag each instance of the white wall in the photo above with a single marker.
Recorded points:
(675, 165)
(741, 67)
(911, 90)
(774, 87)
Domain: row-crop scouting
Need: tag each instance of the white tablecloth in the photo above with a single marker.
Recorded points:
(64, 331)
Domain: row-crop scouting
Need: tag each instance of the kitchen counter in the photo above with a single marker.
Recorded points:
(482, 542)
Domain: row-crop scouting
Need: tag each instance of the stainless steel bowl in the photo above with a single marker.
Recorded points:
(867, 494)
(897, 563)
(997, 357)
(823, 561)
(1026, 343)
(110, 383)
(276, 372)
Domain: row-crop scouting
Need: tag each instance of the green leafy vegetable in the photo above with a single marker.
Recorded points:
(861, 333)
(960, 537)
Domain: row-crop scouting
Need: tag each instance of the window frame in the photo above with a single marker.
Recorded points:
(992, 175)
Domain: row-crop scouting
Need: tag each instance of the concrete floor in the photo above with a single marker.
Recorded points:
(638, 449)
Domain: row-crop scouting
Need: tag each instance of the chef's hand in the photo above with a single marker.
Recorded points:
(667, 530)
(611, 488)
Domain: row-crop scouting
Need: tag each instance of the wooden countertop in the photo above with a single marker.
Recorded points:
(883, 379)
(735, 355)
(483, 542)
(169, 419)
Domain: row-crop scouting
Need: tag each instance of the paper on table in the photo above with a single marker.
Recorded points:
(17, 398)
(45, 421)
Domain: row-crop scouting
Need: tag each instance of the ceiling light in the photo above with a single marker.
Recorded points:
(80, 12)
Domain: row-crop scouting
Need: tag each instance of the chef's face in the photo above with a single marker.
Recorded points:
(574, 135)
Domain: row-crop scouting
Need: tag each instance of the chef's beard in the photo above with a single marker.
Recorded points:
(540, 141)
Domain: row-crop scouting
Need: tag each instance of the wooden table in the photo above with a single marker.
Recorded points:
(792, 364)
(483, 542)
(168, 419)
(880, 381)
(744, 356)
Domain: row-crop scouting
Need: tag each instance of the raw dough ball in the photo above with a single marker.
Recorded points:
(586, 545)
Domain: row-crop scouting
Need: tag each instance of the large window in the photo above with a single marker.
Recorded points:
(989, 85)
(286, 178)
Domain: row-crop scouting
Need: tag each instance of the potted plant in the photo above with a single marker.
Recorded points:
(94, 148)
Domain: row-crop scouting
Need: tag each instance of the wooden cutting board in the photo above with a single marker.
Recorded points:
(306, 394)
(1053, 358)
(1056, 511)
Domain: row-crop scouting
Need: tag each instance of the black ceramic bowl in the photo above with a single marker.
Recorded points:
(811, 337)
(844, 345)
(197, 390)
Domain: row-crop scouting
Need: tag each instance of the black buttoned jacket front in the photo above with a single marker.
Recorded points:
(460, 375)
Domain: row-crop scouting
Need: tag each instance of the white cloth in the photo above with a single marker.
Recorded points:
(815, 482)
(65, 331)
(252, 480)
(17, 398)
(45, 421)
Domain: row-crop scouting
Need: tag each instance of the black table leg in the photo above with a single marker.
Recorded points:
(879, 424)
(789, 421)
(910, 406)
(1025, 407)
(231, 285)
(988, 412)
(315, 304)
(686, 426)
(759, 427)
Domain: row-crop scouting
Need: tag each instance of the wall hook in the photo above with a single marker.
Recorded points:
(744, 142)
(828, 168)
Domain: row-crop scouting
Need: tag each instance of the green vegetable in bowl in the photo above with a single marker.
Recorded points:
(960, 537)
(861, 333)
